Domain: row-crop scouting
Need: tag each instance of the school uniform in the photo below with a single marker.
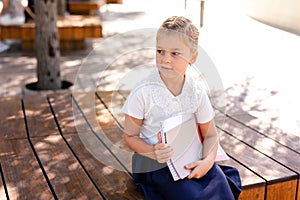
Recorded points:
(151, 101)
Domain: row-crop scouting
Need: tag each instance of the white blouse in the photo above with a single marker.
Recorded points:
(151, 101)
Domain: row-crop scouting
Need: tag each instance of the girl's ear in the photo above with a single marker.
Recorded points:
(194, 57)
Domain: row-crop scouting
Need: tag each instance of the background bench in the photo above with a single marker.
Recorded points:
(114, 1)
(42, 154)
(88, 7)
(85, 7)
(73, 31)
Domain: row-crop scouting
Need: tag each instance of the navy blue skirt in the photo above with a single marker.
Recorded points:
(155, 182)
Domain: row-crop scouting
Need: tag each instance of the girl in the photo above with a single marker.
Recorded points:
(169, 91)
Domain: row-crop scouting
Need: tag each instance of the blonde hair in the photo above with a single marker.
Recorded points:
(184, 26)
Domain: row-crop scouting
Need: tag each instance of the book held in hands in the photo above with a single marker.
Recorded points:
(182, 134)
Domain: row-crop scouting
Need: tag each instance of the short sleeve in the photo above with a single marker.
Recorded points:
(134, 105)
(205, 111)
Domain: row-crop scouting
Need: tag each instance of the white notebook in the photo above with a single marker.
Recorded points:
(181, 133)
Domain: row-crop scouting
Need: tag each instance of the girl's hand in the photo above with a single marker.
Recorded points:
(162, 152)
(199, 169)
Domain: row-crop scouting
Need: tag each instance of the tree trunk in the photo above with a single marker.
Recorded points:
(61, 7)
(47, 45)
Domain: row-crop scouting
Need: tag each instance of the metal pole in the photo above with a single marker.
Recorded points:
(201, 12)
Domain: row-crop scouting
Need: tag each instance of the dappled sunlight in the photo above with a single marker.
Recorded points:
(62, 106)
(103, 119)
(107, 170)
(12, 118)
(13, 191)
(71, 63)
(126, 70)
(247, 104)
(21, 171)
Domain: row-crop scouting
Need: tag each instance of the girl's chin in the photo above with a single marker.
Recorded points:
(168, 73)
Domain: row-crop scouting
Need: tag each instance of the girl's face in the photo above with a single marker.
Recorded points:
(173, 55)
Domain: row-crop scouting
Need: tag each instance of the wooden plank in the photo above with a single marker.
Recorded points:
(62, 106)
(12, 124)
(113, 178)
(289, 140)
(2, 189)
(110, 121)
(112, 182)
(285, 190)
(114, 1)
(85, 8)
(23, 176)
(39, 116)
(78, 33)
(264, 144)
(27, 33)
(65, 33)
(275, 174)
(103, 126)
(12, 32)
(66, 176)
(253, 187)
(267, 146)
(298, 190)
(93, 32)
(114, 101)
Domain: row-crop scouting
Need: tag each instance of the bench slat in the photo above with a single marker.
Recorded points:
(23, 176)
(253, 186)
(39, 116)
(289, 140)
(62, 107)
(117, 182)
(12, 124)
(113, 183)
(2, 190)
(86, 7)
(114, 1)
(67, 177)
(264, 144)
(86, 102)
(276, 175)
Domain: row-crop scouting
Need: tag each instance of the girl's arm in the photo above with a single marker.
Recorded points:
(160, 152)
(210, 148)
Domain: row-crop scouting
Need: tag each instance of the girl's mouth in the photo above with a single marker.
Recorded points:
(166, 67)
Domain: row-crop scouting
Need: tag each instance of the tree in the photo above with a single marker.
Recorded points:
(47, 45)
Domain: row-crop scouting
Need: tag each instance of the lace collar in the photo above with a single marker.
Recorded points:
(162, 97)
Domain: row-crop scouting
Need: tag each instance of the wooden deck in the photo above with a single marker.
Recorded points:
(43, 155)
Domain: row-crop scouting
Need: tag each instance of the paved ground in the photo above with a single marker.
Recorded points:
(258, 64)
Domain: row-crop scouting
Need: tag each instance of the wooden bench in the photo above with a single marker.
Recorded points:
(114, 1)
(85, 7)
(73, 31)
(43, 153)
(88, 7)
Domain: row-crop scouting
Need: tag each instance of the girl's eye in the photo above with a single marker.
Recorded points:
(159, 51)
(175, 53)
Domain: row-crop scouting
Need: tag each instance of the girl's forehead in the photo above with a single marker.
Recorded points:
(171, 41)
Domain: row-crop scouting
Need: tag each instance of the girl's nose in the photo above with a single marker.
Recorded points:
(166, 58)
